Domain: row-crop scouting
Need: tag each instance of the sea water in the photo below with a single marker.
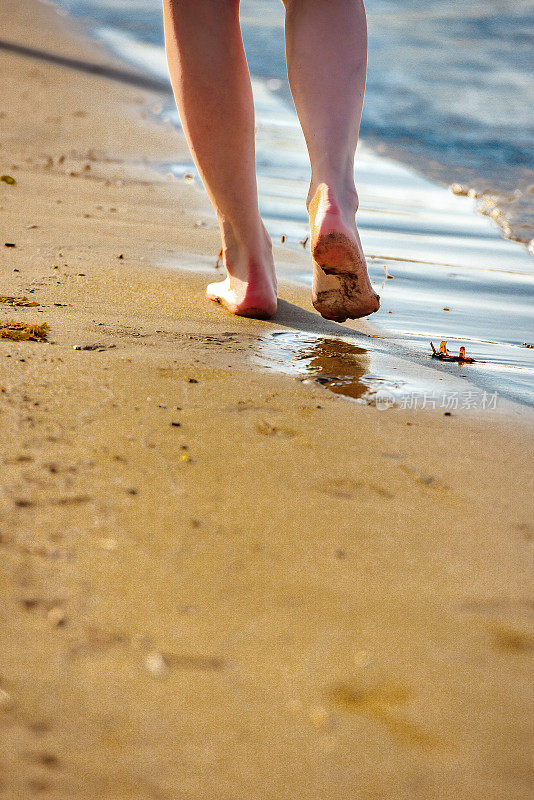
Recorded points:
(449, 100)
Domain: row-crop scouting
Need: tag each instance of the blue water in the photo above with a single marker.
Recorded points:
(450, 86)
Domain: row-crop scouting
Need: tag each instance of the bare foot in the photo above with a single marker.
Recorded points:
(341, 288)
(250, 287)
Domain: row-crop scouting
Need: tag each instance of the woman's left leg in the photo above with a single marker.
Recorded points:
(211, 83)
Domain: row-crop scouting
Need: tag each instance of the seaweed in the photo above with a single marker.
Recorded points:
(22, 331)
(18, 301)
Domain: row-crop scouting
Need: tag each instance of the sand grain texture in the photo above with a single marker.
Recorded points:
(216, 581)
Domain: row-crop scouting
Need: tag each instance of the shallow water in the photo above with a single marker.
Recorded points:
(362, 368)
(342, 367)
(443, 272)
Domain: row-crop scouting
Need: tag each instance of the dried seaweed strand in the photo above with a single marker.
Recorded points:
(22, 331)
(19, 301)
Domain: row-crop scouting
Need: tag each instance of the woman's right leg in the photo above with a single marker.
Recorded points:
(211, 84)
(326, 44)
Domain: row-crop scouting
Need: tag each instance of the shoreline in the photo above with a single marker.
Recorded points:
(443, 271)
(505, 200)
(219, 580)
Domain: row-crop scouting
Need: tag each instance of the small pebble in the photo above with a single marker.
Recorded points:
(155, 663)
(48, 760)
(108, 543)
(57, 617)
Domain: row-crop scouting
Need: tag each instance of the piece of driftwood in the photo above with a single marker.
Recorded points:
(443, 354)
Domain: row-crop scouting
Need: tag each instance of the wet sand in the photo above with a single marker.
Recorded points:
(219, 581)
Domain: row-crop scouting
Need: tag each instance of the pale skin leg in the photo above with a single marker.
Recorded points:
(214, 97)
(326, 46)
(326, 49)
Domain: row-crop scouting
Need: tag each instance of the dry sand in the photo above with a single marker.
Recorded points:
(285, 595)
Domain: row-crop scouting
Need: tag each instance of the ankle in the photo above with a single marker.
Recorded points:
(254, 257)
(250, 261)
(250, 245)
(339, 197)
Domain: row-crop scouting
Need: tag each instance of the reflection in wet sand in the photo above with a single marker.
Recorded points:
(340, 366)
(336, 364)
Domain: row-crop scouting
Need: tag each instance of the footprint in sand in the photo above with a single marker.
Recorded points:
(267, 429)
(381, 703)
(346, 488)
(510, 640)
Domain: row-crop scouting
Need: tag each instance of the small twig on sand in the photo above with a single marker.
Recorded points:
(443, 354)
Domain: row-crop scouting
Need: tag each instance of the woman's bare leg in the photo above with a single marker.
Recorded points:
(214, 97)
(326, 45)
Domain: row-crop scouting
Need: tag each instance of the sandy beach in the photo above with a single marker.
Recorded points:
(218, 580)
